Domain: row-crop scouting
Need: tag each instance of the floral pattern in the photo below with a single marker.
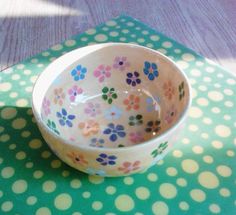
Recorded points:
(59, 96)
(133, 78)
(170, 114)
(153, 126)
(108, 94)
(113, 113)
(92, 109)
(46, 106)
(79, 73)
(73, 92)
(52, 126)
(121, 63)
(128, 167)
(136, 120)
(65, 118)
(150, 70)
(105, 159)
(102, 72)
(181, 91)
(159, 149)
(77, 158)
(169, 90)
(89, 128)
(97, 142)
(132, 102)
(114, 131)
(136, 137)
(152, 104)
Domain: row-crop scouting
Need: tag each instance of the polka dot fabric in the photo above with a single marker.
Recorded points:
(197, 177)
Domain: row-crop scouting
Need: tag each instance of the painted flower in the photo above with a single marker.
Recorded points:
(153, 104)
(59, 96)
(132, 102)
(136, 120)
(169, 90)
(105, 159)
(65, 118)
(108, 94)
(159, 149)
(153, 126)
(52, 126)
(79, 73)
(89, 127)
(77, 158)
(98, 172)
(114, 131)
(128, 167)
(151, 70)
(133, 78)
(46, 106)
(92, 109)
(102, 72)
(97, 142)
(73, 92)
(181, 91)
(121, 63)
(136, 137)
(170, 114)
(113, 113)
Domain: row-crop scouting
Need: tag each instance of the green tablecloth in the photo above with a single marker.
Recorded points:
(197, 177)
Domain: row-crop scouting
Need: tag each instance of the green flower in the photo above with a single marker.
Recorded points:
(160, 149)
(136, 120)
(108, 94)
(181, 91)
(52, 126)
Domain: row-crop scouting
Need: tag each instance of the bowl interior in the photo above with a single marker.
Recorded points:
(116, 96)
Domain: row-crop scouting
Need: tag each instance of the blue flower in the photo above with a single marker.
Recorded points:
(79, 73)
(150, 69)
(133, 78)
(97, 142)
(64, 118)
(114, 131)
(113, 113)
(105, 159)
(99, 172)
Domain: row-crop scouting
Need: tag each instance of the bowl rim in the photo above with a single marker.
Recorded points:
(74, 54)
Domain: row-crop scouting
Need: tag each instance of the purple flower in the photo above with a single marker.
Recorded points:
(73, 92)
(105, 159)
(64, 118)
(92, 109)
(133, 78)
(121, 63)
(46, 106)
(97, 142)
(114, 131)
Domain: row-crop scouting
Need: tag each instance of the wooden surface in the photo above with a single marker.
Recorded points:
(31, 26)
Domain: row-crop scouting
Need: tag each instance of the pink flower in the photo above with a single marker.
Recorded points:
(136, 137)
(59, 96)
(170, 114)
(102, 72)
(46, 106)
(92, 109)
(73, 92)
(120, 63)
(129, 167)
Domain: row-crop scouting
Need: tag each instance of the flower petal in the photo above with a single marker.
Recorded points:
(69, 123)
(107, 131)
(71, 117)
(63, 111)
(121, 133)
(103, 155)
(113, 137)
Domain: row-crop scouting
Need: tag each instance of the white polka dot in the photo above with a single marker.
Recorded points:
(31, 200)
(195, 72)
(7, 172)
(160, 208)
(190, 166)
(94, 179)
(231, 81)
(4, 138)
(101, 37)
(97, 205)
(171, 171)
(35, 143)
(8, 70)
(154, 37)
(207, 121)
(210, 69)
(192, 82)
(34, 60)
(38, 174)
(208, 180)
(204, 135)
(125, 31)
(215, 110)
(163, 51)
(217, 85)
(43, 211)
(198, 195)
(193, 128)
(70, 43)
(84, 39)
(56, 164)
(21, 102)
(5, 86)
(110, 190)
(215, 96)
(19, 186)
(177, 153)
(208, 159)
(75, 183)
(114, 34)
(86, 195)
(128, 180)
(2, 104)
(228, 92)
(224, 170)
(45, 54)
(223, 131)
(8, 113)
(142, 193)
(152, 177)
(57, 47)
(63, 201)
(229, 104)
(111, 23)
(141, 40)
(185, 140)
(19, 123)
(145, 32)
(7, 206)
(15, 77)
(149, 45)
(225, 192)
(167, 44)
(230, 153)
(184, 206)
(168, 190)
(195, 112)
(217, 144)
(188, 57)
(214, 208)
(182, 64)
(202, 88)
(13, 94)
(220, 75)
(124, 203)
(20, 155)
(197, 149)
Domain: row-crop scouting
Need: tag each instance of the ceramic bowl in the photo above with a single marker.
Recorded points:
(111, 109)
